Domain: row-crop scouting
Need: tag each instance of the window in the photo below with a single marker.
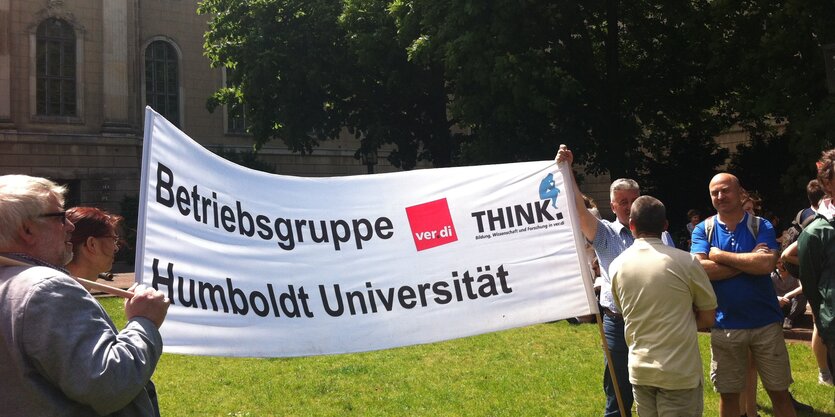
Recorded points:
(162, 86)
(55, 69)
(237, 118)
(235, 113)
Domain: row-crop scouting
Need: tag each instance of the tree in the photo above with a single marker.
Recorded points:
(308, 69)
(760, 165)
(637, 102)
(247, 158)
(637, 89)
(394, 100)
(461, 82)
(287, 59)
(776, 80)
(504, 71)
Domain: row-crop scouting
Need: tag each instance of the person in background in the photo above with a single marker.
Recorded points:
(95, 241)
(816, 255)
(789, 295)
(814, 194)
(60, 354)
(693, 218)
(748, 396)
(751, 202)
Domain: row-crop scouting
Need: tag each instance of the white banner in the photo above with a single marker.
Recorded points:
(267, 265)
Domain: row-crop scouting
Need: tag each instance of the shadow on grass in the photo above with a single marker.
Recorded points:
(767, 410)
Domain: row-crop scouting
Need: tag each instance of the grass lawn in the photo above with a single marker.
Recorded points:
(544, 370)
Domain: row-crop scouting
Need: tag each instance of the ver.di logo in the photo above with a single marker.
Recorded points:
(431, 224)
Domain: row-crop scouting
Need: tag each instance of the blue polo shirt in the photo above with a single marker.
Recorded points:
(745, 301)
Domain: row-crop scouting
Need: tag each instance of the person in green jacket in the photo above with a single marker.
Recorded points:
(816, 255)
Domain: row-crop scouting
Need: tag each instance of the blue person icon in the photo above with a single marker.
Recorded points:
(547, 189)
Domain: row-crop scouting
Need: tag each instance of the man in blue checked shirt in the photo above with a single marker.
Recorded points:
(609, 240)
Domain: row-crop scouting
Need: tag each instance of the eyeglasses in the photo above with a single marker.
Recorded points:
(61, 214)
(115, 238)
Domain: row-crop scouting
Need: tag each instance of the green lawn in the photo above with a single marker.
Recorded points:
(545, 370)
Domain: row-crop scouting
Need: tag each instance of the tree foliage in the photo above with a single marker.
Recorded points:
(776, 80)
(636, 88)
(286, 58)
(246, 158)
(307, 69)
(394, 100)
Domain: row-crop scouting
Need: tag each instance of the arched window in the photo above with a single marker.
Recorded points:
(162, 86)
(55, 68)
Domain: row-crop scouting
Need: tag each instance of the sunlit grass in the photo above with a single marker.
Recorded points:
(545, 370)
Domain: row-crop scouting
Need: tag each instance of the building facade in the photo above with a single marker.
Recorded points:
(76, 75)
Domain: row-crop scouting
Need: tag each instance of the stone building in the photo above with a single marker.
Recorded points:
(76, 75)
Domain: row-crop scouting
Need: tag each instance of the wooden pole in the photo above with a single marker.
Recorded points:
(89, 285)
(609, 365)
(93, 285)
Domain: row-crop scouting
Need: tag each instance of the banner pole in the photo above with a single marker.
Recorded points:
(89, 285)
(568, 176)
(609, 365)
(147, 144)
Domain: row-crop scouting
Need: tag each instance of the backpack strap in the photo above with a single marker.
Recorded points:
(803, 218)
(709, 223)
(799, 218)
(753, 224)
(807, 220)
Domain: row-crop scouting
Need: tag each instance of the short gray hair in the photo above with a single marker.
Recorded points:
(21, 198)
(621, 184)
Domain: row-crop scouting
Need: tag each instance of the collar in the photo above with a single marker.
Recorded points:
(618, 227)
(22, 257)
(827, 209)
(741, 221)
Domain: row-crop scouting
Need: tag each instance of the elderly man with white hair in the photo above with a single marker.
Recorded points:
(60, 353)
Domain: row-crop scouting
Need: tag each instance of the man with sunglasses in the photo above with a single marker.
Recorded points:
(60, 353)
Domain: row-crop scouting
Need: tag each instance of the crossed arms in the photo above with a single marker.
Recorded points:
(721, 265)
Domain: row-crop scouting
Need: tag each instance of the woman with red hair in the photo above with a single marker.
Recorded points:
(95, 241)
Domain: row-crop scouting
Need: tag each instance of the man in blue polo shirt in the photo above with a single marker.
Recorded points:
(609, 240)
(738, 253)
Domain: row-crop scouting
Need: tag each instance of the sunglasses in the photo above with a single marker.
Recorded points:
(61, 214)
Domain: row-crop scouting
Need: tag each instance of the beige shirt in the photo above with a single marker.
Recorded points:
(656, 287)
